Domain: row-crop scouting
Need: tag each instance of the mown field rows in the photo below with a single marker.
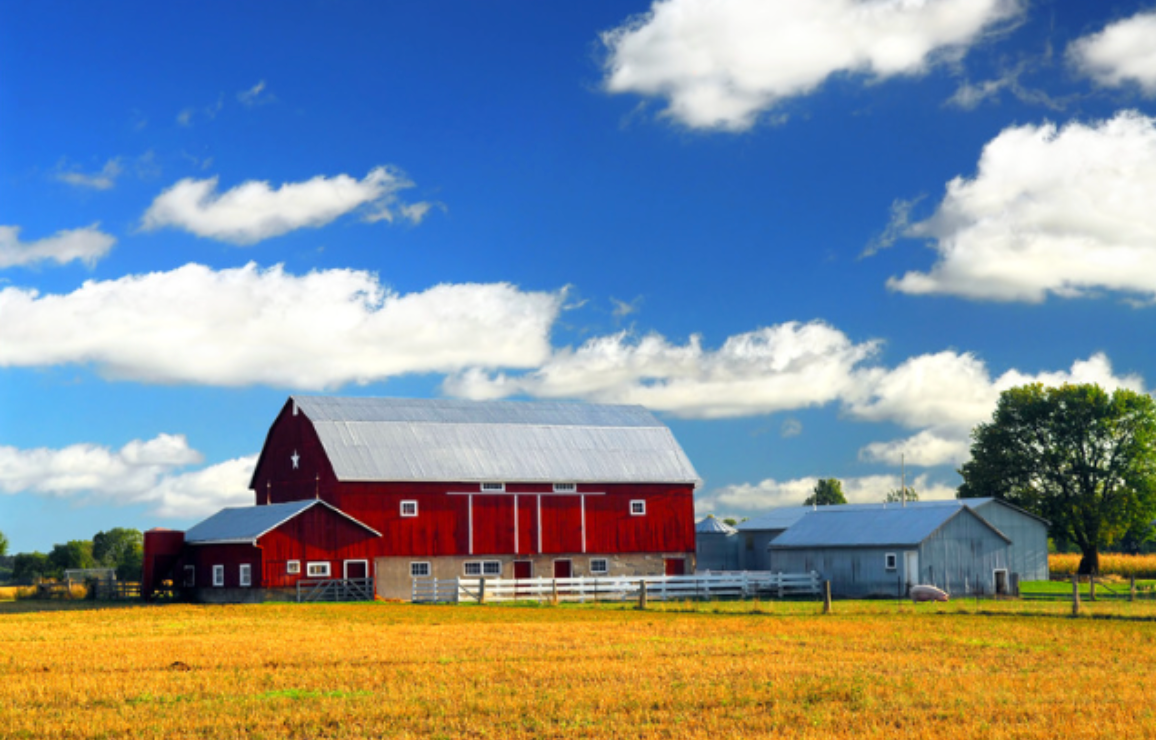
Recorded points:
(964, 669)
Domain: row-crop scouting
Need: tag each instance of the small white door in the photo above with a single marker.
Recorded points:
(911, 567)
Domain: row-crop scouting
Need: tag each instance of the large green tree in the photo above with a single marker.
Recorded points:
(27, 567)
(1076, 455)
(70, 555)
(3, 544)
(120, 548)
(828, 491)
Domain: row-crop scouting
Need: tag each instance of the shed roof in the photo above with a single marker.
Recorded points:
(784, 516)
(780, 517)
(245, 524)
(393, 439)
(870, 526)
(712, 525)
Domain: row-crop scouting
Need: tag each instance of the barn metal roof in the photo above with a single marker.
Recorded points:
(391, 439)
(711, 525)
(245, 524)
(871, 526)
(781, 517)
(784, 517)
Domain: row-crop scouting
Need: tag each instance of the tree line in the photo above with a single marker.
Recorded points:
(120, 548)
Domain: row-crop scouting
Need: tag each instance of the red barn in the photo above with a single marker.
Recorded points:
(451, 488)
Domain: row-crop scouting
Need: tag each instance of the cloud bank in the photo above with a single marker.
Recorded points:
(255, 211)
(247, 326)
(141, 472)
(1060, 211)
(85, 245)
(719, 63)
(749, 499)
(1123, 53)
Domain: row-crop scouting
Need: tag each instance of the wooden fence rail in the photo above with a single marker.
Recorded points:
(729, 585)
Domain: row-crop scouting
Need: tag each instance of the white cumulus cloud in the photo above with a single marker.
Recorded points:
(1124, 52)
(1063, 211)
(254, 211)
(751, 499)
(85, 245)
(141, 472)
(105, 179)
(249, 325)
(719, 63)
(788, 366)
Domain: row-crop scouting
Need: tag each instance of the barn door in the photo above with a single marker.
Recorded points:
(675, 566)
(911, 568)
(523, 569)
(562, 569)
(356, 569)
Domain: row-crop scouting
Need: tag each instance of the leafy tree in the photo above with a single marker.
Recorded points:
(1076, 455)
(72, 554)
(120, 548)
(896, 496)
(29, 566)
(3, 544)
(828, 492)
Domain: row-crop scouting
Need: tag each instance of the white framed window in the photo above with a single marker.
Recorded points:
(409, 508)
(190, 576)
(218, 575)
(493, 487)
(317, 570)
(293, 567)
(245, 578)
(599, 566)
(890, 561)
(565, 487)
(492, 567)
(420, 570)
(638, 507)
(472, 568)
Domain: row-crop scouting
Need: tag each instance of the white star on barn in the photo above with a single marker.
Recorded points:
(295, 458)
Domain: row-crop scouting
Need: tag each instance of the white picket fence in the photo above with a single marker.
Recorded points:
(717, 585)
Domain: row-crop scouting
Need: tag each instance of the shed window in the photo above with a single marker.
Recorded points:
(483, 568)
(494, 487)
(419, 570)
(293, 567)
(565, 487)
(889, 561)
(218, 575)
(317, 570)
(190, 576)
(409, 508)
(638, 508)
(246, 575)
(599, 566)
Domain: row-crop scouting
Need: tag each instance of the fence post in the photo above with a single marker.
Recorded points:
(826, 597)
(554, 592)
(1075, 595)
(482, 590)
(1132, 589)
(1092, 587)
(642, 594)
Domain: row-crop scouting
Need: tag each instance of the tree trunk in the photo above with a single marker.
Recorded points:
(1090, 563)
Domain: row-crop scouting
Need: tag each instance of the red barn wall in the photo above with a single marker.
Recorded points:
(316, 535)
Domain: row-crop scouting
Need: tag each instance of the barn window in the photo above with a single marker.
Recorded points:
(599, 566)
(246, 575)
(293, 567)
(565, 487)
(409, 508)
(317, 570)
(472, 568)
(218, 575)
(494, 487)
(190, 576)
(889, 561)
(419, 570)
(492, 568)
(638, 508)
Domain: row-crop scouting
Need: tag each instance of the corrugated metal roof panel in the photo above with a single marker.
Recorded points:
(385, 439)
(244, 522)
(862, 526)
(711, 525)
(778, 518)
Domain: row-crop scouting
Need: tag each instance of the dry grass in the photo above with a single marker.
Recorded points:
(1125, 566)
(963, 669)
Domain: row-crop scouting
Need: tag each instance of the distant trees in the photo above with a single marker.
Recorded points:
(1075, 455)
(896, 496)
(119, 548)
(72, 554)
(3, 544)
(28, 567)
(827, 492)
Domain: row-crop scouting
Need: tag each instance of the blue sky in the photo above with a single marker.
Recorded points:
(815, 238)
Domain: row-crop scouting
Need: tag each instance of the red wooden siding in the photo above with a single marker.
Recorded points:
(275, 479)
(204, 557)
(316, 535)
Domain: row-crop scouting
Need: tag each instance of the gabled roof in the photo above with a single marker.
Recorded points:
(245, 524)
(784, 516)
(393, 439)
(780, 517)
(711, 525)
(870, 526)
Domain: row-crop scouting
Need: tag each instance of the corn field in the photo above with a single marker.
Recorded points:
(1125, 566)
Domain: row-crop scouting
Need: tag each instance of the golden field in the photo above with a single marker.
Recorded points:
(884, 670)
(1126, 566)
